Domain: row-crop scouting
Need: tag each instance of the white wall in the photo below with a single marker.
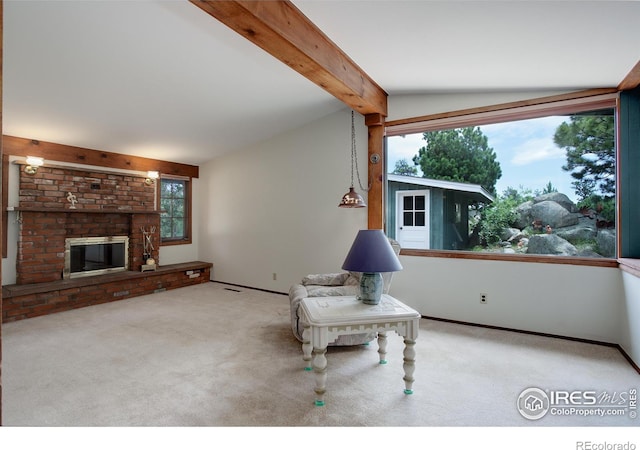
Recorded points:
(567, 300)
(13, 232)
(630, 317)
(273, 208)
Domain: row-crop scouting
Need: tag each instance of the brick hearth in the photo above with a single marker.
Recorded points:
(32, 300)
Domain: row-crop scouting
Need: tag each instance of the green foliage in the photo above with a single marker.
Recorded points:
(589, 142)
(403, 168)
(549, 188)
(501, 213)
(517, 196)
(461, 155)
(495, 218)
(605, 207)
(173, 205)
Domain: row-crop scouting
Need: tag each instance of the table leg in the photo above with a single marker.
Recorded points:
(306, 346)
(409, 364)
(320, 370)
(382, 346)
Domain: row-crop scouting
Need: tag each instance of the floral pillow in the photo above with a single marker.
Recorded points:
(353, 279)
(329, 291)
(326, 279)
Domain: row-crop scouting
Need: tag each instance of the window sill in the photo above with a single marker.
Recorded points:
(630, 265)
(175, 242)
(545, 259)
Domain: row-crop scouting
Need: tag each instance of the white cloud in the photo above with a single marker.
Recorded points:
(522, 129)
(403, 147)
(535, 150)
(406, 146)
(525, 141)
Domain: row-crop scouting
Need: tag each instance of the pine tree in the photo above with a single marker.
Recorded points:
(460, 154)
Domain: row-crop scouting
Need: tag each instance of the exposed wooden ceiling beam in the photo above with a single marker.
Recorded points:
(279, 28)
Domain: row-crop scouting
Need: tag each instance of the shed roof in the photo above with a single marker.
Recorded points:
(478, 192)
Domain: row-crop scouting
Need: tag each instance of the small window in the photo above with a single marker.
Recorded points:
(175, 220)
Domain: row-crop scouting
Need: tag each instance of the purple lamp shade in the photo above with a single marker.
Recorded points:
(371, 252)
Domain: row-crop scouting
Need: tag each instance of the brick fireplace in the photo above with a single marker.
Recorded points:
(107, 204)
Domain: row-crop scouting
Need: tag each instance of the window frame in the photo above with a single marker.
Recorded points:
(187, 239)
(506, 112)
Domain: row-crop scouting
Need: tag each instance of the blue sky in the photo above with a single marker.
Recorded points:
(525, 149)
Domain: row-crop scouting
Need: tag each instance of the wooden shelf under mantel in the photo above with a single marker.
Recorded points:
(82, 210)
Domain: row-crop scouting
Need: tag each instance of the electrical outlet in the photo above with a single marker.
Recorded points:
(483, 298)
(275, 277)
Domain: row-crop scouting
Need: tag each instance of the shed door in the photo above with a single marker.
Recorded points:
(413, 219)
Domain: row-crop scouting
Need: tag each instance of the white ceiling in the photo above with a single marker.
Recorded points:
(163, 79)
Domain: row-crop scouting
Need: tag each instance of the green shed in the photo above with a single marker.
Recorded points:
(423, 213)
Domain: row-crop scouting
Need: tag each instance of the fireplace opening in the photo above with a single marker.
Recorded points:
(90, 256)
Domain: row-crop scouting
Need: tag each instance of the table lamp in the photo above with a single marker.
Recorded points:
(371, 254)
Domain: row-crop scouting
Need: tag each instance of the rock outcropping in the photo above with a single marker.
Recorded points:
(551, 224)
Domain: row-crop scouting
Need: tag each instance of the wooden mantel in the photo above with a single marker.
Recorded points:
(17, 146)
(83, 210)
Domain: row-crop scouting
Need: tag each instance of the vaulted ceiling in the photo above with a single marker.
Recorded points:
(166, 80)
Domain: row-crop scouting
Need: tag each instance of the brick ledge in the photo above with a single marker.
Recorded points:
(17, 290)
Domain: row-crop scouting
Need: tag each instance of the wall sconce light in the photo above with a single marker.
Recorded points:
(152, 176)
(33, 162)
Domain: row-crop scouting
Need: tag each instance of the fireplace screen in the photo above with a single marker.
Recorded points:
(95, 256)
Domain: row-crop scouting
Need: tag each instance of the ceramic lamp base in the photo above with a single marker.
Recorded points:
(371, 288)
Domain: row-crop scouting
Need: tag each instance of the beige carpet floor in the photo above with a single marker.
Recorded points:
(209, 356)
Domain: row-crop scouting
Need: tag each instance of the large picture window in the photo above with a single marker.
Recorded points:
(175, 220)
(535, 180)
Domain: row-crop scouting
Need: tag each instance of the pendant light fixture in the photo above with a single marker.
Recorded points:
(352, 199)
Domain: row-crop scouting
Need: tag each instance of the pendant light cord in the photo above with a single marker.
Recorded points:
(354, 156)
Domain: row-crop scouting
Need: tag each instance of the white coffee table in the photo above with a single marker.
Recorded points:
(326, 318)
